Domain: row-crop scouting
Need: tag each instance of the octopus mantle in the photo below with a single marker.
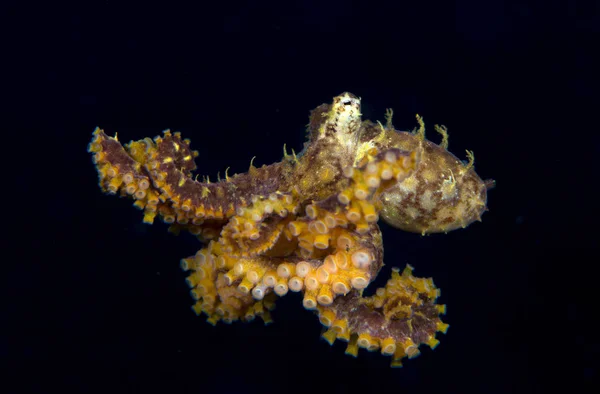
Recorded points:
(308, 223)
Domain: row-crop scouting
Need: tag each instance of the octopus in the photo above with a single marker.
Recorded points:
(309, 223)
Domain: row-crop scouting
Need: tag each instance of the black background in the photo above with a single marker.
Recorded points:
(96, 300)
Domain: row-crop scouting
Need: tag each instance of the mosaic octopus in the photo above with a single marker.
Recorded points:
(309, 223)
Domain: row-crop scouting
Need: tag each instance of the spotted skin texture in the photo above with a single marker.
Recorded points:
(308, 223)
(443, 194)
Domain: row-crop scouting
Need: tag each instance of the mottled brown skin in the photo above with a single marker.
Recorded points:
(442, 195)
(364, 319)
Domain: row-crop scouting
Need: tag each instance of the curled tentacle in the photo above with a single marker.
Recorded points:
(227, 288)
(396, 320)
(258, 228)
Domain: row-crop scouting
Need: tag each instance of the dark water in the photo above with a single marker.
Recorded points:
(97, 300)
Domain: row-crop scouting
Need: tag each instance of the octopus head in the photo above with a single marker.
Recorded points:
(441, 195)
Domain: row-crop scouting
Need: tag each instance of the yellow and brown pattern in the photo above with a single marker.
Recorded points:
(309, 223)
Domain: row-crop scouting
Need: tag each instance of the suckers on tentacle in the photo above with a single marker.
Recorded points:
(308, 223)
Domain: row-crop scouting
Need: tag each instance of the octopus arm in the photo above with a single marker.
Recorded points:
(395, 320)
(230, 288)
(123, 171)
(157, 174)
(171, 162)
(400, 316)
